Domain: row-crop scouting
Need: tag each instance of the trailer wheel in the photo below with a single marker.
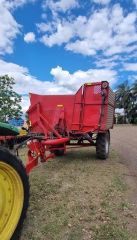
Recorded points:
(59, 152)
(102, 145)
(14, 195)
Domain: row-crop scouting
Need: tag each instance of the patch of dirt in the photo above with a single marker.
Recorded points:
(124, 141)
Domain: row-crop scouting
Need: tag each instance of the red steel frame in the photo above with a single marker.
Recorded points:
(60, 118)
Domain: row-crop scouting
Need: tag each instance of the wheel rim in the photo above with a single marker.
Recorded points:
(11, 200)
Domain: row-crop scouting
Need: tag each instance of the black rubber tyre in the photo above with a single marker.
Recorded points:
(102, 145)
(10, 144)
(59, 152)
(10, 159)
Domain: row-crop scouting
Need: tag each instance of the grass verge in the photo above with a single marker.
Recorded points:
(78, 197)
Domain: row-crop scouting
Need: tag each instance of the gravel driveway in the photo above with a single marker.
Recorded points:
(124, 141)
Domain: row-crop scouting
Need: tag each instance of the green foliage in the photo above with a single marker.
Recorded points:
(126, 98)
(9, 99)
(120, 119)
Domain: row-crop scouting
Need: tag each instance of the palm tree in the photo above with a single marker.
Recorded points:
(135, 88)
(123, 99)
(133, 110)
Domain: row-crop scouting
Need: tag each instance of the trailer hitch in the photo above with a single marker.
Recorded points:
(37, 149)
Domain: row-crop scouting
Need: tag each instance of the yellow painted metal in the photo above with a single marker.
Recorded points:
(11, 200)
(60, 105)
(88, 84)
(23, 132)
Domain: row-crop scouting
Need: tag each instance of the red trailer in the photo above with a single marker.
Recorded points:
(78, 120)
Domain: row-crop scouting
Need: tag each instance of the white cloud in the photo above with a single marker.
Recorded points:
(108, 31)
(44, 27)
(74, 81)
(63, 34)
(59, 32)
(63, 82)
(60, 5)
(25, 82)
(108, 63)
(101, 1)
(9, 29)
(12, 4)
(82, 47)
(29, 37)
(25, 103)
(131, 67)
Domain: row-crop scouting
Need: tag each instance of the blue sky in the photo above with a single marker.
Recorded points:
(54, 46)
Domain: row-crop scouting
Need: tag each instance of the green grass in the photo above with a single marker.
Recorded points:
(78, 197)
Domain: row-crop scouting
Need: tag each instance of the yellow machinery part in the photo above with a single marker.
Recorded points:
(11, 200)
(22, 132)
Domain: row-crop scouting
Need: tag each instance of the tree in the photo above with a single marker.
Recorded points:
(126, 98)
(135, 88)
(9, 99)
(123, 98)
(133, 110)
